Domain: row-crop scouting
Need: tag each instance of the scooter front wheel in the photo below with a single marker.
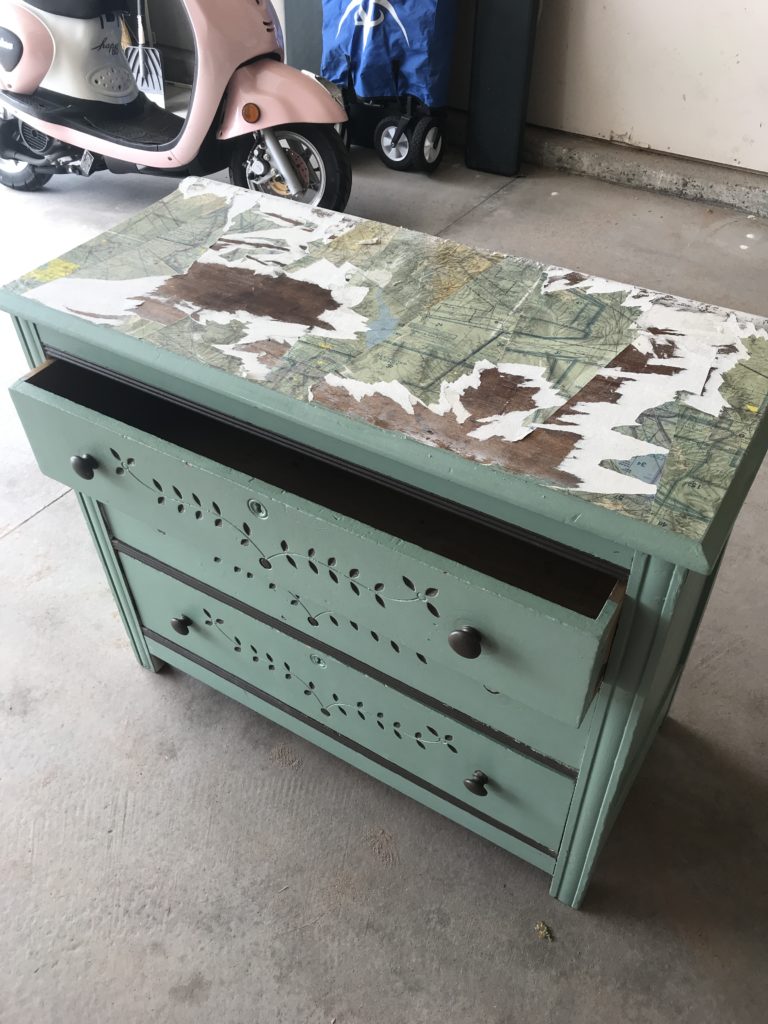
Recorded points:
(312, 155)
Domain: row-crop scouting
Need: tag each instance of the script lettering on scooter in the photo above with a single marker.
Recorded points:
(111, 48)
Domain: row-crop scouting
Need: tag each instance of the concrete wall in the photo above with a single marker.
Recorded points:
(681, 76)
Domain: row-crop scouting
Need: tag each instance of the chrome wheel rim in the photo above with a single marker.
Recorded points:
(307, 162)
(433, 145)
(395, 151)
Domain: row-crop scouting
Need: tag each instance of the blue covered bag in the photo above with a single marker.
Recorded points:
(383, 48)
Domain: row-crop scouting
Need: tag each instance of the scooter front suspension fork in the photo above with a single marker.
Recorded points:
(281, 161)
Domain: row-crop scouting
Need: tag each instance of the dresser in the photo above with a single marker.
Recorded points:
(450, 515)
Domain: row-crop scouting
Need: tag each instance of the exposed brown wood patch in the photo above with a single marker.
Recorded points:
(632, 360)
(270, 351)
(539, 454)
(498, 393)
(210, 286)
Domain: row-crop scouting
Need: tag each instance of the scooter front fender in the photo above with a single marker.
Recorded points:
(282, 94)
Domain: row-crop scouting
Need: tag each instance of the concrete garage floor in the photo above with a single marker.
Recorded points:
(168, 856)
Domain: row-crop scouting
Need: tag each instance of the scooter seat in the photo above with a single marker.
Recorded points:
(79, 8)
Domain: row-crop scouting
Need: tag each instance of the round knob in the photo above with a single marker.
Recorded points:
(181, 625)
(477, 783)
(84, 465)
(466, 641)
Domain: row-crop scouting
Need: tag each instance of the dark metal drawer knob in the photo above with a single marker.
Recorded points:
(181, 625)
(84, 466)
(477, 783)
(466, 641)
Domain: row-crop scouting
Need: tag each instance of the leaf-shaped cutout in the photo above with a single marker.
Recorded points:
(354, 588)
(343, 710)
(394, 646)
(360, 713)
(196, 499)
(354, 625)
(421, 658)
(265, 563)
(176, 491)
(431, 608)
(307, 693)
(452, 749)
(311, 686)
(333, 576)
(434, 732)
(157, 484)
(290, 561)
(380, 724)
(215, 508)
(420, 744)
(409, 583)
(114, 453)
(398, 734)
(313, 567)
(380, 601)
(313, 621)
(237, 640)
(284, 545)
(333, 619)
(246, 529)
(325, 711)
(270, 658)
(335, 697)
(206, 612)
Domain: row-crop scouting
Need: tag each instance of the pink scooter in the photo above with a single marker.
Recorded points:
(71, 103)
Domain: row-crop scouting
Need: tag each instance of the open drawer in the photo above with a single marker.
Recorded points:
(527, 622)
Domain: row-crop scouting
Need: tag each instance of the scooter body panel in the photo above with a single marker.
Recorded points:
(229, 39)
(21, 28)
(282, 94)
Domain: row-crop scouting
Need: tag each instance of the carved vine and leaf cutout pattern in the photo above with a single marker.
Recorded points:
(171, 496)
(336, 705)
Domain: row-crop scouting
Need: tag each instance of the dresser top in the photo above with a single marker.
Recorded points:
(648, 406)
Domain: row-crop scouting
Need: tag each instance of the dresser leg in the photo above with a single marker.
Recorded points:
(635, 695)
(117, 582)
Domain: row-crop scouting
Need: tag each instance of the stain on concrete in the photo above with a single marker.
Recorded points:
(285, 757)
(382, 845)
(192, 992)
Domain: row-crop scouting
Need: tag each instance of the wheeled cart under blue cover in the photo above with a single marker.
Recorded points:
(395, 54)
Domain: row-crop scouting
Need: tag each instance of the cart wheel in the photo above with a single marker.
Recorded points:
(397, 155)
(428, 148)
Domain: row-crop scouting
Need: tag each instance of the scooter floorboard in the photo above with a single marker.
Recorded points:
(147, 126)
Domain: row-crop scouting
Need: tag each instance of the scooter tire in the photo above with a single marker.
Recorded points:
(28, 179)
(331, 150)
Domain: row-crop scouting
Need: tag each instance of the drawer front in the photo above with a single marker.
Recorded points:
(522, 795)
(531, 650)
(491, 707)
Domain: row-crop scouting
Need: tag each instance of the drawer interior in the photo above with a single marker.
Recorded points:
(558, 576)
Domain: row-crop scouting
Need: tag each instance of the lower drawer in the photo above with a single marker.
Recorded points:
(516, 793)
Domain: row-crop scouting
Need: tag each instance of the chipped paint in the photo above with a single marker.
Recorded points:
(637, 401)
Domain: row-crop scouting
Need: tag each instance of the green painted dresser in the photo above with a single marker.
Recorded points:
(451, 515)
